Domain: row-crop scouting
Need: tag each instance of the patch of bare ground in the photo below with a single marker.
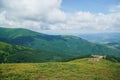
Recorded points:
(96, 58)
(41, 79)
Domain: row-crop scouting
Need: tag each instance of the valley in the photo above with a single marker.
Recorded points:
(22, 45)
(29, 55)
(59, 39)
(109, 39)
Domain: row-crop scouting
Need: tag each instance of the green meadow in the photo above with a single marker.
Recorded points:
(80, 69)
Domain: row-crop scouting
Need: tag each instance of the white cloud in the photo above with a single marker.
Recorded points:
(56, 15)
(88, 22)
(32, 9)
(47, 15)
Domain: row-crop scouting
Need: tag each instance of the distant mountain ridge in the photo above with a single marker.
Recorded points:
(99, 37)
(108, 39)
(64, 45)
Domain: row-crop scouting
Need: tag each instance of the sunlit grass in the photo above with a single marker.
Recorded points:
(80, 69)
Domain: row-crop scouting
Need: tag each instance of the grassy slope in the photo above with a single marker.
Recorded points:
(80, 69)
(15, 53)
(69, 45)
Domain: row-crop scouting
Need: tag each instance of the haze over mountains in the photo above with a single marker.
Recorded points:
(108, 39)
(59, 39)
(44, 47)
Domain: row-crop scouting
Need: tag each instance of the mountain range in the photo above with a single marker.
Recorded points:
(108, 39)
(31, 46)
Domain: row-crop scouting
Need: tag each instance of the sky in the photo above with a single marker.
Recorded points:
(93, 6)
(61, 16)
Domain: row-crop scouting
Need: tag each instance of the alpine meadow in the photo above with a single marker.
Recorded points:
(59, 40)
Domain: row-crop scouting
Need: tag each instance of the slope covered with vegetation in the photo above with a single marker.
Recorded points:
(69, 45)
(14, 53)
(80, 69)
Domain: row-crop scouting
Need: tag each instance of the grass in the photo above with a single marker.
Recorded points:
(80, 69)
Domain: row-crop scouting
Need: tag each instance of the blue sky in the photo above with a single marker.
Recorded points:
(61, 16)
(93, 6)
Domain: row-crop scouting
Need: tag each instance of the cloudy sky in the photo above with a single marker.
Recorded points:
(61, 16)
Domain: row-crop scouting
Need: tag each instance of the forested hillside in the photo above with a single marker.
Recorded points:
(16, 54)
(70, 45)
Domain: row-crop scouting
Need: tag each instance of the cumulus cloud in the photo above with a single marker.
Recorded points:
(34, 9)
(47, 15)
(86, 21)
